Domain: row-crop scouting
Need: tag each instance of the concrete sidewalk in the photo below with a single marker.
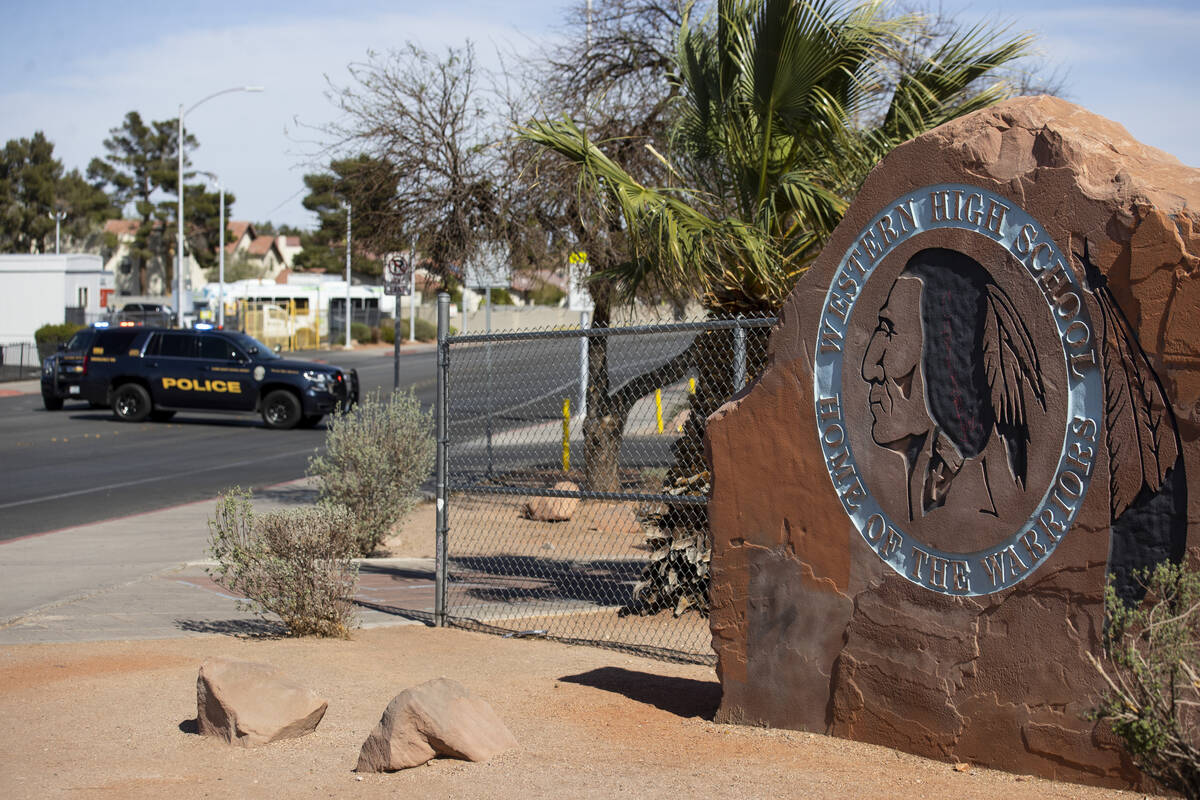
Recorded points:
(143, 577)
(17, 388)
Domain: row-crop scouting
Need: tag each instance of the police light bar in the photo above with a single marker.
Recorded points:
(203, 326)
(127, 324)
(101, 324)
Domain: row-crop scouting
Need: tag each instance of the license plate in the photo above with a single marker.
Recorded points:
(72, 390)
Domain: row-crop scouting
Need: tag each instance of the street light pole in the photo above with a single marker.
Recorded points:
(58, 217)
(220, 251)
(179, 190)
(348, 313)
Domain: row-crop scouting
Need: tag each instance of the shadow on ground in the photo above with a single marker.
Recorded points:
(684, 697)
(246, 628)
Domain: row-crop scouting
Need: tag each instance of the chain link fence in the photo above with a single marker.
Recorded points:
(572, 484)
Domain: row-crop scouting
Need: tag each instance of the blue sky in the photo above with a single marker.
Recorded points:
(73, 69)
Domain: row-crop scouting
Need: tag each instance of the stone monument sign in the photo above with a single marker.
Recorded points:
(981, 403)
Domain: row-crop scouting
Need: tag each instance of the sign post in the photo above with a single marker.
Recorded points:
(488, 269)
(579, 299)
(397, 282)
(412, 290)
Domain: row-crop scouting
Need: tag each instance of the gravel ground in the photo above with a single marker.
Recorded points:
(117, 720)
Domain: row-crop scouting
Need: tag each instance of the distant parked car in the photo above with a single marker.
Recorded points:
(149, 314)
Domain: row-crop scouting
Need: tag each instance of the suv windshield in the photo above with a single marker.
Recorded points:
(253, 347)
(80, 340)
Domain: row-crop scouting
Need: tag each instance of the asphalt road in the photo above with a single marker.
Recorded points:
(79, 465)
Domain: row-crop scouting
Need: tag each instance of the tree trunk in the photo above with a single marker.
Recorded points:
(602, 431)
(714, 357)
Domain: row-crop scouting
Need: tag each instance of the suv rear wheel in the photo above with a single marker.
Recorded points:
(131, 402)
(281, 410)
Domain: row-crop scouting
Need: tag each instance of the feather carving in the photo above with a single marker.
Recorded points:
(1013, 375)
(1142, 441)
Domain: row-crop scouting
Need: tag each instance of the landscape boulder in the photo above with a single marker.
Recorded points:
(247, 703)
(554, 509)
(437, 718)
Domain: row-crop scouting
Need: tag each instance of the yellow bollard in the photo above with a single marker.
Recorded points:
(566, 434)
(691, 385)
(658, 408)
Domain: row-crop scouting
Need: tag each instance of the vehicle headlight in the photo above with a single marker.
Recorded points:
(320, 380)
(48, 366)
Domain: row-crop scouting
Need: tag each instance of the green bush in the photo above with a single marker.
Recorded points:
(426, 331)
(359, 332)
(501, 297)
(53, 334)
(293, 563)
(1152, 675)
(376, 457)
(547, 294)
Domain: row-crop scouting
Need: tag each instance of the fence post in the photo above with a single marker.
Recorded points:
(739, 356)
(584, 324)
(440, 417)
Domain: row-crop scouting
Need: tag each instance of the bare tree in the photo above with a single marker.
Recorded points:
(426, 124)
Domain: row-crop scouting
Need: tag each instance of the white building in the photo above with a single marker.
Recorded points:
(37, 290)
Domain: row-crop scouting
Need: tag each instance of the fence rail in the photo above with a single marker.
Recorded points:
(19, 361)
(587, 526)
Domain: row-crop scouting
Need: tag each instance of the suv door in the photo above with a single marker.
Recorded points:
(174, 370)
(227, 370)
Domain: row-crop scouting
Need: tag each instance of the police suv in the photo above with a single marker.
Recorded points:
(154, 372)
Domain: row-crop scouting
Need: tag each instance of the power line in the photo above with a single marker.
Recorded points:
(285, 202)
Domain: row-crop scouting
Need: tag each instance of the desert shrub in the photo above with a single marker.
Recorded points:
(293, 563)
(360, 332)
(426, 331)
(53, 334)
(376, 456)
(1150, 671)
(546, 294)
(501, 297)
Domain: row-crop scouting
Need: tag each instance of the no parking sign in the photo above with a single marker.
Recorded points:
(397, 273)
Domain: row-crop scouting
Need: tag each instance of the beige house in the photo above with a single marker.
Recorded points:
(269, 254)
(125, 271)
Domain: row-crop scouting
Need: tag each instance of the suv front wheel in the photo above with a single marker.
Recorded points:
(131, 402)
(281, 410)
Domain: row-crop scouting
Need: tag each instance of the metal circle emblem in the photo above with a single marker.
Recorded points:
(955, 398)
(259, 373)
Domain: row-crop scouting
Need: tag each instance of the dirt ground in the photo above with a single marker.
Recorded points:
(116, 720)
(597, 528)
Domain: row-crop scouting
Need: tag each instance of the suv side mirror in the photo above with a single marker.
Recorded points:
(277, 348)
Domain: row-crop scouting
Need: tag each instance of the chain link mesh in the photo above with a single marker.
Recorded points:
(577, 486)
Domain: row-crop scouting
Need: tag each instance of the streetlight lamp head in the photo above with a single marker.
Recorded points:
(253, 88)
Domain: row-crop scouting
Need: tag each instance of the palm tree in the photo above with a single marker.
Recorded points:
(782, 108)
